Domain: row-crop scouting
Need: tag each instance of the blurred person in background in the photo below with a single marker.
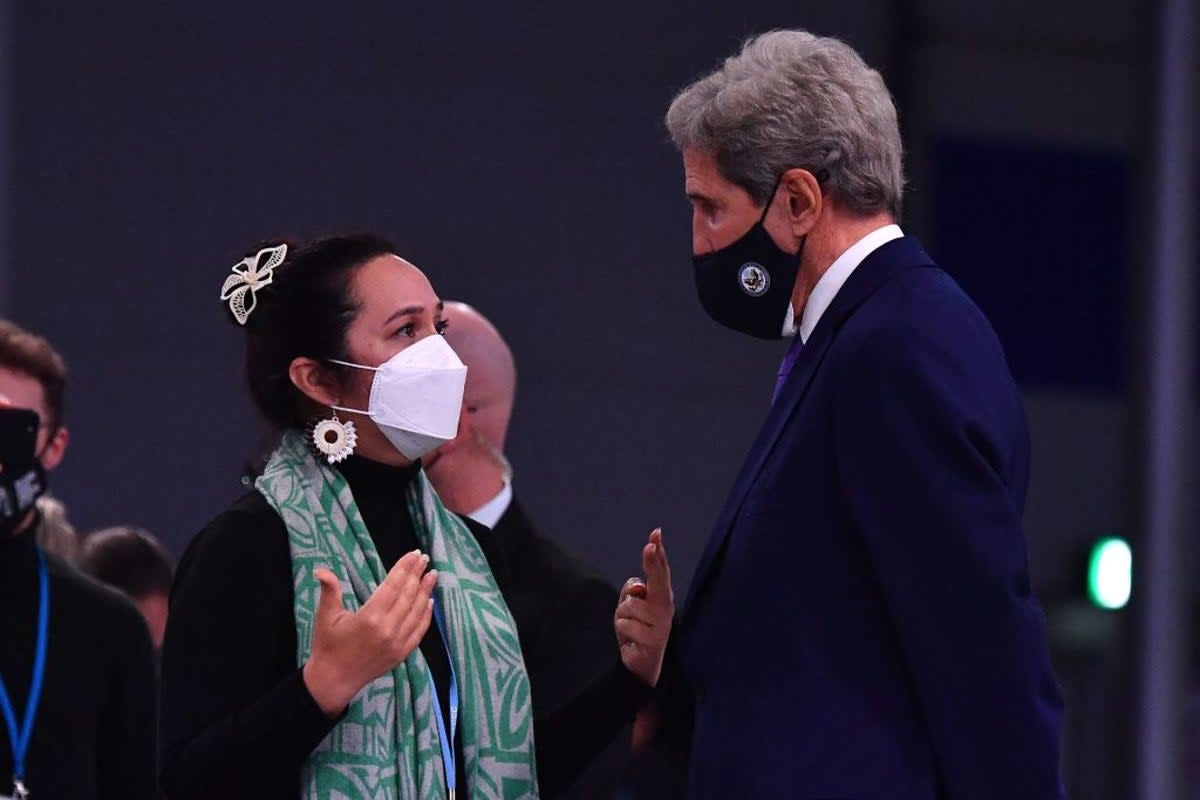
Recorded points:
(55, 533)
(33, 375)
(338, 632)
(76, 666)
(861, 623)
(564, 610)
(132, 560)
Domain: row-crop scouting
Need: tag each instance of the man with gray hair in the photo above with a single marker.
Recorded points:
(861, 624)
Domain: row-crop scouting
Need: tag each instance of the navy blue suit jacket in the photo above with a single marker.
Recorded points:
(861, 624)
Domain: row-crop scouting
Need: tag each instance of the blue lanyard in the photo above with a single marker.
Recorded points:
(19, 737)
(446, 737)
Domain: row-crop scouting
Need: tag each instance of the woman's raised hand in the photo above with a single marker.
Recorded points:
(352, 648)
(644, 614)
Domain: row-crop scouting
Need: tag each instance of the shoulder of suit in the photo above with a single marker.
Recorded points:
(921, 304)
(515, 513)
(550, 556)
(921, 323)
(478, 529)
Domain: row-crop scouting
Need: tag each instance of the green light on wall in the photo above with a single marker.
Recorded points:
(1110, 573)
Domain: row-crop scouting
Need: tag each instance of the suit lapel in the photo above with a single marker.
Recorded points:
(875, 270)
(793, 390)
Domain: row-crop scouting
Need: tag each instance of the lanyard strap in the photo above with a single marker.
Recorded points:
(19, 737)
(446, 736)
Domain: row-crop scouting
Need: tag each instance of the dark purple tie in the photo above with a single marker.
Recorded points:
(785, 366)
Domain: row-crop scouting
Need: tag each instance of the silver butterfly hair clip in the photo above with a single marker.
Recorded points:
(250, 275)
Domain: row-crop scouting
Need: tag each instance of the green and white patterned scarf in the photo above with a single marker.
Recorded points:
(387, 744)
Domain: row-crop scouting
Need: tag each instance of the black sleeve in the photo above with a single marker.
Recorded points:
(669, 753)
(125, 741)
(583, 696)
(565, 618)
(238, 720)
(572, 736)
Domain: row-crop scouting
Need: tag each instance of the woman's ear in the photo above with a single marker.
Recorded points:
(315, 381)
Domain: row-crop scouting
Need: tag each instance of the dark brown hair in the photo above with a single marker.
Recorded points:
(29, 353)
(304, 312)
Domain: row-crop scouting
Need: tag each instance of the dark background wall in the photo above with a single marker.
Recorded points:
(517, 154)
(519, 159)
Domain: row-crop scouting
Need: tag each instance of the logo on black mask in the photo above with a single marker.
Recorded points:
(754, 279)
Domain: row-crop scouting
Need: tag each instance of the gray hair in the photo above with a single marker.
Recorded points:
(791, 99)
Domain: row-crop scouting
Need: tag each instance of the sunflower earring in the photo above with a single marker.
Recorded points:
(334, 439)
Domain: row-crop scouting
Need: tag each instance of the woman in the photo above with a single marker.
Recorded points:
(275, 684)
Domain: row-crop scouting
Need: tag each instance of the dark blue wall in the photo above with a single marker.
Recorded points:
(1041, 238)
(518, 156)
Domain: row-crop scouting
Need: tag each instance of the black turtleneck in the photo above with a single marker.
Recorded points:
(384, 509)
(93, 736)
(237, 718)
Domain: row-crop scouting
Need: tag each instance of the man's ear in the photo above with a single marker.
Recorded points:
(804, 200)
(314, 380)
(56, 448)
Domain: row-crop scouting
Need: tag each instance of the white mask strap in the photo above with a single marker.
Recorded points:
(351, 410)
(348, 364)
(356, 366)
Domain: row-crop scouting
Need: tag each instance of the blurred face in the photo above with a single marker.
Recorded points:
(154, 610)
(485, 410)
(487, 398)
(397, 308)
(24, 391)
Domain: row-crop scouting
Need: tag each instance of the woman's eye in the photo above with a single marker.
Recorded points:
(441, 325)
(408, 330)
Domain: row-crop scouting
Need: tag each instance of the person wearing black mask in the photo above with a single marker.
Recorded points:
(33, 375)
(77, 682)
(878, 512)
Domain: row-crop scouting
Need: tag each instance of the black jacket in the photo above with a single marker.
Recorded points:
(93, 736)
(238, 720)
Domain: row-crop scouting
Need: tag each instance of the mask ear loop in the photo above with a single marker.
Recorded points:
(348, 364)
(771, 199)
(821, 177)
(355, 366)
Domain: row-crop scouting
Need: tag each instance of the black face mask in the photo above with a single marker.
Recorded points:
(22, 478)
(748, 285)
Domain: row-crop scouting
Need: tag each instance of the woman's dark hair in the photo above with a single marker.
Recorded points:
(304, 311)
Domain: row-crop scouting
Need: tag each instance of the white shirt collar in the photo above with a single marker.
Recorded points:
(831, 282)
(789, 322)
(490, 512)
